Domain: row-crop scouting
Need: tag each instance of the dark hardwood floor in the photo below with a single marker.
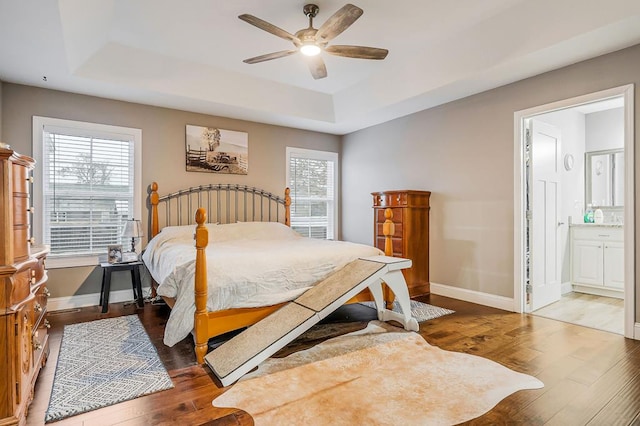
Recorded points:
(590, 376)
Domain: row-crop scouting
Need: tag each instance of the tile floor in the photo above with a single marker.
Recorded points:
(602, 313)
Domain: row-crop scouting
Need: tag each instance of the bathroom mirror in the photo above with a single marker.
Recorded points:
(604, 178)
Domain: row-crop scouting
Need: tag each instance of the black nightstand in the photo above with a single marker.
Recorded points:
(108, 268)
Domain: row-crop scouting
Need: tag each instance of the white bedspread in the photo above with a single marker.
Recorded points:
(248, 264)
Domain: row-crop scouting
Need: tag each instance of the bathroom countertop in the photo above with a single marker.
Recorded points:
(605, 225)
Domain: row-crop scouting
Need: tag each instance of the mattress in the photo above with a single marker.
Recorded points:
(249, 264)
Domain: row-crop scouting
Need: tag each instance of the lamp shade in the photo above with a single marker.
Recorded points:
(132, 229)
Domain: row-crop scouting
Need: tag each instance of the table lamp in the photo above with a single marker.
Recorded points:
(132, 229)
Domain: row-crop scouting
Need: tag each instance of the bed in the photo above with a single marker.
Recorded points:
(247, 260)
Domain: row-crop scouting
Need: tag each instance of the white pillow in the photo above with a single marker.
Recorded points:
(187, 230)
(253, 231)
(177, 233)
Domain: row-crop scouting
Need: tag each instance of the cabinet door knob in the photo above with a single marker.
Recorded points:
(47, 324)
(30, 179)
(31, 240)
(37, 307)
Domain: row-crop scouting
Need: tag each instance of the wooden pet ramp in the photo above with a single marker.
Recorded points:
(241, 354)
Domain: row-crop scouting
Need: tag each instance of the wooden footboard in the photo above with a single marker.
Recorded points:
(212, 324)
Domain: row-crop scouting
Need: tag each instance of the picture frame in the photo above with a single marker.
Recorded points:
(215, 150)
(129, 256)
(114, 253)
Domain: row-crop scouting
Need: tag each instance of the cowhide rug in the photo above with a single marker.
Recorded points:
(376, 376)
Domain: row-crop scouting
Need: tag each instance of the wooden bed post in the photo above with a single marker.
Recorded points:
(388, 229)
(287, 206)
(200, 323)
(154, 198)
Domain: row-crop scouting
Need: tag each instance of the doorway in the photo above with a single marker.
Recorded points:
(550, 206)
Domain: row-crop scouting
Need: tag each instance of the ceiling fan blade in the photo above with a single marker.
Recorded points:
(269, 56)
(361, 52)
(270, 28)
(338, 22)
(317, 67)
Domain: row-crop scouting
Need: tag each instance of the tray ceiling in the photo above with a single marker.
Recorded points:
(188, 55)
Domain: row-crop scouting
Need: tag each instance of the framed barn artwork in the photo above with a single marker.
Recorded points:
(214, 150)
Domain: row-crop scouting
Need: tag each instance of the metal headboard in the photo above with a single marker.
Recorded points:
(225, 203)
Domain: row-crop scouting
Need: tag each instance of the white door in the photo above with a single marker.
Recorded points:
(544, 201)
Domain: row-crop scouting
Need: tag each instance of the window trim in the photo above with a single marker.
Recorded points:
(92, 129)
(319, 155)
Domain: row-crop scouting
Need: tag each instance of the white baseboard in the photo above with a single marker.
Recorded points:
(83, 300)
(566, 287)
(499, 302)
(598, 291)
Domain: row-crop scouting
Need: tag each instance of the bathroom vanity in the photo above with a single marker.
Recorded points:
(597, 259)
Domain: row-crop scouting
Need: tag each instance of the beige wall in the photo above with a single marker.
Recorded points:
(464, 153)
(461, 151)
(163, 146)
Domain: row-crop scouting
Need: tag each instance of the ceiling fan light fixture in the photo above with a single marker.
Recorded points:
(311, 41)
(310, 49)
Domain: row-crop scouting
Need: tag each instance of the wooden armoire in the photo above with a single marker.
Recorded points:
(24, 344)
(410, 215)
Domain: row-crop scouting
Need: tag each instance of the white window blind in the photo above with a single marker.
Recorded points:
(312, 178)
(88, 189)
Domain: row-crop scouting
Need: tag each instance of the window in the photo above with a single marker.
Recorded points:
(89, 185)
(312, 177)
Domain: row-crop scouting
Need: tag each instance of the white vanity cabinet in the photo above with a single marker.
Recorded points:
(614, 265)
(597, 260)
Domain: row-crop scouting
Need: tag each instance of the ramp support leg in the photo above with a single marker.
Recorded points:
(376, 290)
(395, 281)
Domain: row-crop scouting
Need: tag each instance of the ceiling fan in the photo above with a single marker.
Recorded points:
(310, 41)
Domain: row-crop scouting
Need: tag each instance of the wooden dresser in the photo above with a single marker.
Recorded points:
(24, 344)
(410, 215)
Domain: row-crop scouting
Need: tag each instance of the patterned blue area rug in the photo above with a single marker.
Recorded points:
(420, 311)
(102, 363)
